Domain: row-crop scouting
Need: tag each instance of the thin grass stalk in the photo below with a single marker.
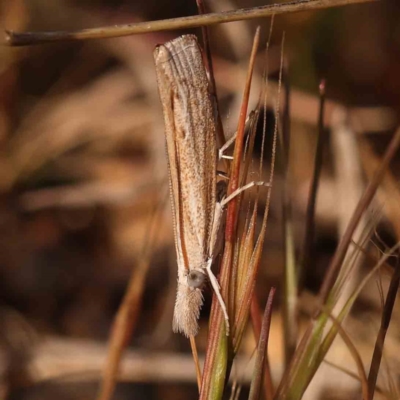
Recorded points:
(245, 296)
(297, 375)
(247, 241)
(31, 38)
(385, 322)
(330, 336)
(312, 196)
(242, 313)
(216, 364)
(261, 358)
(125, 320)
(340, 368)
(357, 291)
(353, 375)
(256, 319)
(255, 310)
(237, 155)
(356, 250)
(196, 361)
(235, 278)
(213, 87)
(252, 130)
(245, 273)
(313, 348)
(212, 385)
(244, 247)
(355, 354)
(265, 92)
(388, 196)
(290, 273)
(389, 192)
(307, 360)
(365, 200)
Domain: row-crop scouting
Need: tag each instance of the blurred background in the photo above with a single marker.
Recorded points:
(83, 173)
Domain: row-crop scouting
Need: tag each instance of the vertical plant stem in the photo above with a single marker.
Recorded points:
(196, 361)
(256, 383)
(312, 196)
(380, 340)
(290, 275)
(125, 320)
(216, 363)
(256, 320)
(239, 143)
(210, 68)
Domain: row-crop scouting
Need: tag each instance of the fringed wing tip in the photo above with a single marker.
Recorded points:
(187, 310)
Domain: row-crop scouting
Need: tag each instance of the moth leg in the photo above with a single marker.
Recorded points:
(250, 121)
(216, 287)
(227, 144)
(222, 175)
(225, 201)
(216, 231)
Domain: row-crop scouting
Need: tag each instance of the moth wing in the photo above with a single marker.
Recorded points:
(191, 146)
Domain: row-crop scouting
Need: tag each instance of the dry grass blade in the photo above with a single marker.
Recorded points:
(250, 266)
(29, 38)
(362, 205)
(256, 319)
(261, 360)
(255, 309)
(128, 312)
(216, 364)
(313, 347)
(388, 195)
(321, 350)
(290, 269)
(312, 197)
(351, 374)
(245, 281)
(356, 356)
(196, 361)
(210, 69)
(380, 340)
(239, 145)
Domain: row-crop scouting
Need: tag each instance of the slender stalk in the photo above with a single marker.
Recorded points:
(196, 361)
(239, 143)
(380, 340)
(354, 353)
(256, 320)
(261, 360)
(290, 273)
(125, 321)
(30, 38)
(312, 197)
(210, 68)
(216, 363)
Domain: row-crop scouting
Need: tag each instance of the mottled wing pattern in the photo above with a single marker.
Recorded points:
(191, 147)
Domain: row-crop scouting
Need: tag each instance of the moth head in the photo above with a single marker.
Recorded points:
(196, 279)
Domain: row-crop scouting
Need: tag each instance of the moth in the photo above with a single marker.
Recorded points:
(190, 130)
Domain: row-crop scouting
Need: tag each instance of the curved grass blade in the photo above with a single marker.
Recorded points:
(256, 383)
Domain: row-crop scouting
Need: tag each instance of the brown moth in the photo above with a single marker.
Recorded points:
(190, 130)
